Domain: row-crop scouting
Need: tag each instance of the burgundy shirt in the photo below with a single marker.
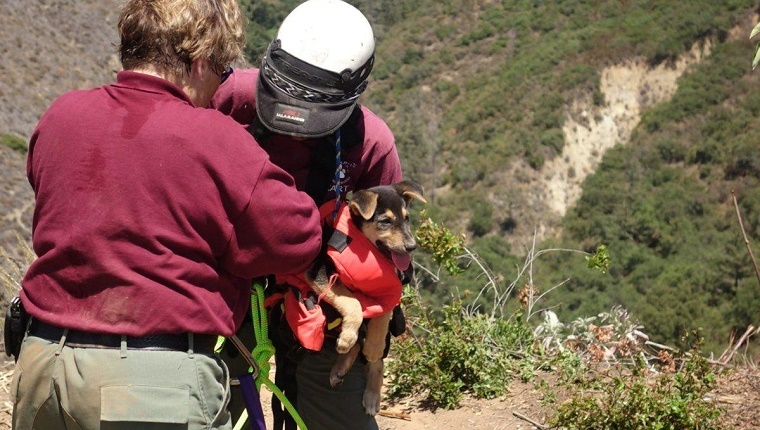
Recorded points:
(374, 161)
(152, 214)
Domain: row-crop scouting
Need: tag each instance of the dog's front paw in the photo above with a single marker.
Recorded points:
(371, 402)
(346, 341)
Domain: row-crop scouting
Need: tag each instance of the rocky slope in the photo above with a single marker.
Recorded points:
(48, 47)
(16, 205)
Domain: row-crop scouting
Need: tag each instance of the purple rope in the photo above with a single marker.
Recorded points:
(252, 402)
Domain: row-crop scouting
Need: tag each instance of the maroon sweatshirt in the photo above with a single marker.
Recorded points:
(373, 161)
(152, 214)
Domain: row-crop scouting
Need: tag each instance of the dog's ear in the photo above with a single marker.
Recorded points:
(363, 203)
(410, 190)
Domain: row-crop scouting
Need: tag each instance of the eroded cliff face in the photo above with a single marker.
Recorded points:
(629, 88)
(539, 199)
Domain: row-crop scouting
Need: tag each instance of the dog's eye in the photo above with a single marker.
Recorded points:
(384, 223)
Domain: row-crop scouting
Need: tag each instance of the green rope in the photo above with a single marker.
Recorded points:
(263, 351)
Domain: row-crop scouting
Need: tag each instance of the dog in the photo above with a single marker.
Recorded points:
(381, 214)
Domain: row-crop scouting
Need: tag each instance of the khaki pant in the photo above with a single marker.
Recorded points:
(56, 387)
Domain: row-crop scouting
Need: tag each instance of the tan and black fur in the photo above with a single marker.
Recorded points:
(382, 214)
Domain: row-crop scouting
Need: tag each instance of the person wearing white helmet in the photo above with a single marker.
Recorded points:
(301, 106)
(315, 69)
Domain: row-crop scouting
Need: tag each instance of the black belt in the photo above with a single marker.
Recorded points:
(202, 343)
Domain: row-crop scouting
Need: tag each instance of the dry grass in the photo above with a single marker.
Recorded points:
(738, 392)
(6, 406)
(12, 271)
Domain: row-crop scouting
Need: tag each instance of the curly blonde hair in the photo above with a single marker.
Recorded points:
(171, 34)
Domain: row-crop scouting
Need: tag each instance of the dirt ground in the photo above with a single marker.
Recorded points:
(497, 414)
(515, 411)
(6, 406)
(738, 392)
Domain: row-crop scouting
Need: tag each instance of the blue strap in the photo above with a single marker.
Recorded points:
(336, 179)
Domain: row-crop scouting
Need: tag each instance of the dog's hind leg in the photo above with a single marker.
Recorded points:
(374, 343)
(343, 365)
(372, 395)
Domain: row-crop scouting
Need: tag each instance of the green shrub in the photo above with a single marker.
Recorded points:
(412, 56)
(441, 243)
(448, 89)
(463, 353)
(14, 142)
(483, 32)
(633, 398)
(482, 219)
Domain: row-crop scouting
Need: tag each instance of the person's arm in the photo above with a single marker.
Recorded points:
(236, 97)
(280, 231)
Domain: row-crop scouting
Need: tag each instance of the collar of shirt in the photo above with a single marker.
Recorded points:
(149, 83)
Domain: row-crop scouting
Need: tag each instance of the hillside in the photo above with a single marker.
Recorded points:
(49, 47)
(573, 124)
(507, 112)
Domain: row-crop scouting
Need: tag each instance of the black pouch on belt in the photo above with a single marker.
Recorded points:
(16, 320)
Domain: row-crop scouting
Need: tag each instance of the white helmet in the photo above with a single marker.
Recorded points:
(315, 69)
(329, 34)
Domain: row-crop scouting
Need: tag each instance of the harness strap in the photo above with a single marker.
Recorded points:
(336, 238)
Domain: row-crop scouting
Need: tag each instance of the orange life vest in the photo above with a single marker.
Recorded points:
(370, 276)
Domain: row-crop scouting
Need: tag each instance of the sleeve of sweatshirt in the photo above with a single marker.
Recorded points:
(236, 97)
(280, 230)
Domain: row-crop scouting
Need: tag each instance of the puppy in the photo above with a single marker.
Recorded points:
(381, 214)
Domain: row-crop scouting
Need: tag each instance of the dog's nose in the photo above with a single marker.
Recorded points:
(410, 246)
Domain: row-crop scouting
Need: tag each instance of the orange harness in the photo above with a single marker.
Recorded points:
(370, 276)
